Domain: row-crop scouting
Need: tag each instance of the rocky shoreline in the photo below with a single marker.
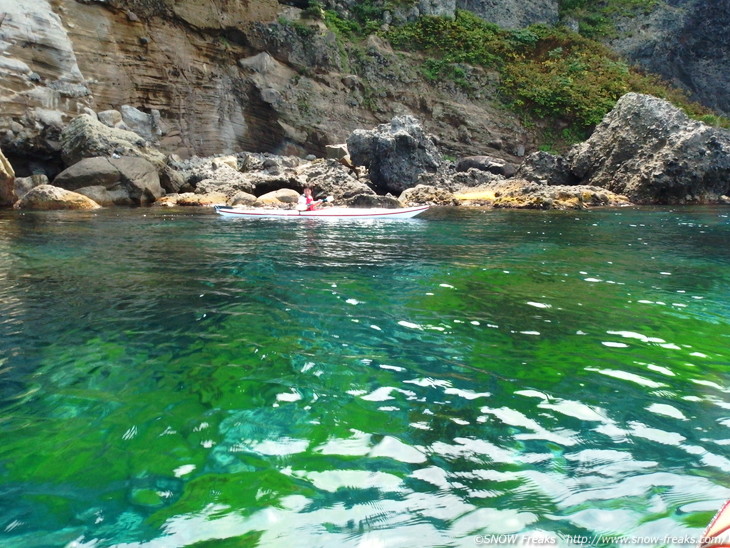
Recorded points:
(645, 151)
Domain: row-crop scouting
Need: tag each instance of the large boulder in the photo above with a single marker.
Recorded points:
(547, 169)
(146, 125)
(48, 197)
(7, 182)
(87, 137)
(113, 181)
(653, 152)
(395, 153)
(332, 178)
(284, 197)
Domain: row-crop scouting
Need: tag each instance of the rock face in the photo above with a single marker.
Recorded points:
(513, 15)
(47, 197)
(509, 14)
(652, 152)
(113, 181)
(687, 43)
(41, 86)
(395, 153)
(221, 76)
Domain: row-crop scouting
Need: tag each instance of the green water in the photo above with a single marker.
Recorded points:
(179, 379)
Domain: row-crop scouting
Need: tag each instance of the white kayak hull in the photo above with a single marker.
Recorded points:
(324, 213)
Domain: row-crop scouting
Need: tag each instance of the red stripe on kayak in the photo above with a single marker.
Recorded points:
(709, 534)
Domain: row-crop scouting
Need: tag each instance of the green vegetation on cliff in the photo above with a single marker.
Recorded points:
(596, 19)
(551, 76)
(549, 72)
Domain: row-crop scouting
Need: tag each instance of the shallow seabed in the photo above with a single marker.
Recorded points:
(170, 378)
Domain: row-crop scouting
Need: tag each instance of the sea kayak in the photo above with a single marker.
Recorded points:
(324, 213)
(717, 534)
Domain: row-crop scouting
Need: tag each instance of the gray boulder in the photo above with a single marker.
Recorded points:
(547, 169)
(652, 152)
(111, 118)
(146, 125)
(395, 153)
(332, 178)
(24, 184)
(87, 137)
(113, 181)
(173, 181)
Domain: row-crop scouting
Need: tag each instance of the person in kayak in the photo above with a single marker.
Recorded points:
(307, 202)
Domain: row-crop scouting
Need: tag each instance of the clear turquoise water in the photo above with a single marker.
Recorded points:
(173, 378)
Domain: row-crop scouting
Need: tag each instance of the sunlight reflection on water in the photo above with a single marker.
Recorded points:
(469, 374)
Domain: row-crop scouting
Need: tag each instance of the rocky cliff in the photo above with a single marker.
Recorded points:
(687, 43)
(221, 76)
(215, 77)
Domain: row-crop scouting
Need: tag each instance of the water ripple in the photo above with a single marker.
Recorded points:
(168, 378)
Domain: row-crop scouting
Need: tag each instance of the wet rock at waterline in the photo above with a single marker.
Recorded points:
(48, 197)
(113, 181)
(652, 152)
